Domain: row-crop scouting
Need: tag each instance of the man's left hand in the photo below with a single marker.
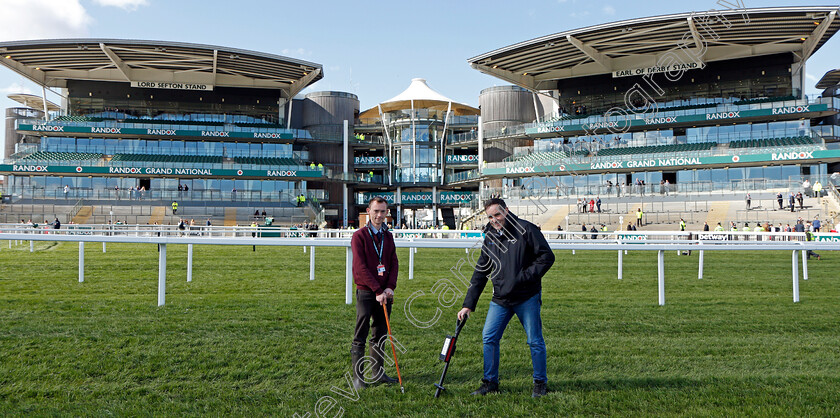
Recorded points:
(389, 293)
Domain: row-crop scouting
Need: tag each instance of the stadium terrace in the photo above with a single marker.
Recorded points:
(713, 98)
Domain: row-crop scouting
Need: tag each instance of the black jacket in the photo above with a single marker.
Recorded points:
(514, 261)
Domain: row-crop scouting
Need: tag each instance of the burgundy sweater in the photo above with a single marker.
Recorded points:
(365, 261)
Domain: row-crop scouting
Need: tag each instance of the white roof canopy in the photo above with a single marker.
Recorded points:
(423, 97)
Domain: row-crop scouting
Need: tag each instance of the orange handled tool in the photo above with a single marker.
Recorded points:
(393, 348)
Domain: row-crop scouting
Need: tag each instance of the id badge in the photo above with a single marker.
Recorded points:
(381, 269)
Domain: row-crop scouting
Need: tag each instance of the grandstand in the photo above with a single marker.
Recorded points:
(587, 111)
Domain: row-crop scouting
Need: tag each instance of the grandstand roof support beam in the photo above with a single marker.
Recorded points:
(813, 40)
(215, 64)
(695, 33)
(522, 80)
(118, 62)
(591, 52)
(37, 76)
(301, 84)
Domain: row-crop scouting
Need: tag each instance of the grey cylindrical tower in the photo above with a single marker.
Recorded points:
(324, 112)
(14, 114)
(505, 106)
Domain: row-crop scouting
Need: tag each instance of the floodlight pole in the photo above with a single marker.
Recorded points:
(346, 171)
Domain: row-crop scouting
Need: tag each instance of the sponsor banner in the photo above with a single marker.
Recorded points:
(389, 197)
(632, 237)
(601, 166)
(462, 159)
(157, 171)
(713, 236)
(417, 198)
(166, 85)
(824, 237)
(370, 160)
(422, 198)
(456, 197)
(656, 69)
(646, 119)
(153, 132)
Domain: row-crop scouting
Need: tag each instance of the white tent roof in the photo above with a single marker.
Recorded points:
(423, 97)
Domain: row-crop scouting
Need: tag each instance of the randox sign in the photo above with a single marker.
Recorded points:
(155, 132)
(370, 160)
(462, 159)
(644, 119)
(824, 237)
(136, 171)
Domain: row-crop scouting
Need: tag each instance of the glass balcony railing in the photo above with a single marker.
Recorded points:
(74, 194)
(664, 112)
(465, 137)
(463, 176)
(165, 126)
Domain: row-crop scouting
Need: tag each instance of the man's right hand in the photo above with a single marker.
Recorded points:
(382, 298)
(464, 313)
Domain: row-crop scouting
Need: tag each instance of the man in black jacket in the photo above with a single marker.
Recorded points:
(515, 256)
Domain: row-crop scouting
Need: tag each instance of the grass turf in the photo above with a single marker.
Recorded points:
(251, 335)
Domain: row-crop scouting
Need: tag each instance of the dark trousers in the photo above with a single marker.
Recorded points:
(368, 308)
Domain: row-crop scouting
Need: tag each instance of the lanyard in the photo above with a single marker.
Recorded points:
(382, 244)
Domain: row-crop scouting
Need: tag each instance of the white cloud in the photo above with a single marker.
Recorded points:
(608, 10)
(15, 88)
(42, 19)
(811, 77)
(300, 52)
(127, 5)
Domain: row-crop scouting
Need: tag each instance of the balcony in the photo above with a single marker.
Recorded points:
(672, 115)
(154, 128)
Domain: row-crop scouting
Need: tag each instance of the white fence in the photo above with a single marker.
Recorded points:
(620, 241)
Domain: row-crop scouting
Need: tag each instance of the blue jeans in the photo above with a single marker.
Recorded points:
(498, 317)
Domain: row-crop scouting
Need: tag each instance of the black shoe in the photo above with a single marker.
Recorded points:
(378, 369)
(356, 355)
(540, 388)
(487, 387)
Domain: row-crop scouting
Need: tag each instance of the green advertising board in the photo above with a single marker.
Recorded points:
(643, 162)
(423, 198)
(154, 132)
(653, 120)
(825, 237)
(136, 171)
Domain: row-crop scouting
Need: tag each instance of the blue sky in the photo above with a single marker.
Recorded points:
(372, 49)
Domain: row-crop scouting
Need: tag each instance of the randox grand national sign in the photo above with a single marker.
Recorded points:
(643, 162)
(142, 171)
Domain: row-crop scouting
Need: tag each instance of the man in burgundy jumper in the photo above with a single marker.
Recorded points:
(375, 269)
